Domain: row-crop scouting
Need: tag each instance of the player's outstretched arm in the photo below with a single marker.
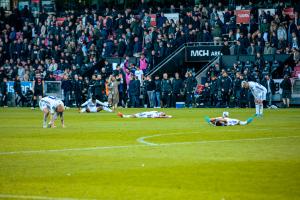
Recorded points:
(85, 104)
(62, 120)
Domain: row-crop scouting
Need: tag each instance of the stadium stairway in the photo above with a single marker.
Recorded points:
(174, 60)
(201, 74)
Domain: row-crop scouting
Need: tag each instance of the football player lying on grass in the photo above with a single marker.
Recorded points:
(53, 106)
(226, 121)
(93, 105)
(149, 114)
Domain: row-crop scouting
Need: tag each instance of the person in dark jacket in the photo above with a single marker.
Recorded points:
(150, 89)
(38, 89)
(19, 97)
(66, 86)
(3, 87)
(190, 86)
(225, 49)
(269, 84)
(286, 86)
(177, 86)
(134, 92)
(237, 89)
(213, 91)
(77, 88)
(166, 90)
(99, 86)
(157, 92)
(224, 86)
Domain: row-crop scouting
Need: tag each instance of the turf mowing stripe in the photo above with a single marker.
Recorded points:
(12, 196)
(143, 145)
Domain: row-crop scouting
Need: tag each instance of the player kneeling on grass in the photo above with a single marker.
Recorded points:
(226, 121)
(93, 105)
(53, 106)
(259, 92)
(150, 114)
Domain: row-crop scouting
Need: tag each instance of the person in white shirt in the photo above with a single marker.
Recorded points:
(93, 105)
(226, 121)
(53, 106)
(259, 92)
(149, 114)
(139, 74)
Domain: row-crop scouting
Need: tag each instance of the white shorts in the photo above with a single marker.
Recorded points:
(232, 122)
(92, 109)
(262, 96)
(43, 106)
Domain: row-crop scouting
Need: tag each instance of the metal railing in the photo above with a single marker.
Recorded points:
(166, 60)
(202, 72)
(192, 44)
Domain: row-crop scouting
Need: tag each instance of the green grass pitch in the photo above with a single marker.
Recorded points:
(102, 156)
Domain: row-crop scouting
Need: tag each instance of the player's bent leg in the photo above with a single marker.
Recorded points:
(107, 109)
(46, 114)
(99, 109)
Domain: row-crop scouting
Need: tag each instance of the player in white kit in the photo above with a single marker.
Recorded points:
(93, 105)
(149, 114)
(53, 106)
(226, 121)
(259, 92)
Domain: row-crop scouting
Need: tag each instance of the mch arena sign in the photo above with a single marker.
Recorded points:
(202, 53)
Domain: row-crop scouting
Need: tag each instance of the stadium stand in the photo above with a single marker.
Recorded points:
(86, 52)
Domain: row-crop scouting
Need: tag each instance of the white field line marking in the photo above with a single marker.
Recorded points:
(12, 196)
(142, 140)
(143, 145)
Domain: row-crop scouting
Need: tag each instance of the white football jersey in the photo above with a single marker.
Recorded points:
(51, 103)
(89, 103)
(149, 114)
(258, 91)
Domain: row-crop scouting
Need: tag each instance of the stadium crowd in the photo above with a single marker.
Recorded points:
(75, 51)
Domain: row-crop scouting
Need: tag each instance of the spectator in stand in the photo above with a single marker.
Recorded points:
(269, 84)
(150, 89)
(19, 97)
(77, 88)
(166, 91)
(99, 88)
(67, 87)
(157, 92)
(224, 86)
(143, 63)
(287, 70)
(213, 89)
(3, 88)
(134, 92)
(237, 89)
(113, 91)
(177, 89)
(38, 89)
(226, 48)
(286, 86)
(190, 86)
(139, 74)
